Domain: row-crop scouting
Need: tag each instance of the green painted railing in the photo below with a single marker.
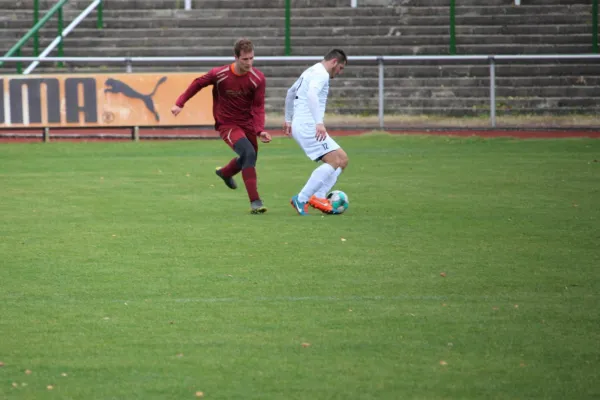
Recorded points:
(34, 31)
(99, 21)
(38, 24)
(452, 27)
(288, 22)
(595, 47)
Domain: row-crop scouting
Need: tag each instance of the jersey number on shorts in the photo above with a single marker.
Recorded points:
(325, 146)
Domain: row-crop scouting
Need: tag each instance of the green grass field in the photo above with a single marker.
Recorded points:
(129, 271)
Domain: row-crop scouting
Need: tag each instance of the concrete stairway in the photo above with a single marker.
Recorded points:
(376, 27)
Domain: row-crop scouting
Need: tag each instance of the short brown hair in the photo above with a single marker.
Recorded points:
(244, 45)
(338, 54)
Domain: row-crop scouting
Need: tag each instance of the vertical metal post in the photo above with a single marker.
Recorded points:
(19, 64)
(46, 137)
(452, 27)
(36, 18)
(381, 94)
(128, 65)
(188, 5)
(288, 21)
(492, 92)
(60, 31)
(135, 133)
(100, 16)
(595, 26)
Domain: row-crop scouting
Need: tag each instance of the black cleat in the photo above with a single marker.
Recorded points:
(257, 207)
(228, 181)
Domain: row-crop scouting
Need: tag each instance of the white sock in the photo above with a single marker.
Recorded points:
(328, 184)
(319, 176)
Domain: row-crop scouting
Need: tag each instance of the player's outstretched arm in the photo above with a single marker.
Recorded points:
(196, 85)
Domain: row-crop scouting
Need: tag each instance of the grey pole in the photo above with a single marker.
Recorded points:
(492, 91)
(381, 97)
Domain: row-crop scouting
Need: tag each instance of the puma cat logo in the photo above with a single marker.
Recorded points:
(116, 86)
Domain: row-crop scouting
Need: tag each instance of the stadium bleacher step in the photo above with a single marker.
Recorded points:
(376, 27)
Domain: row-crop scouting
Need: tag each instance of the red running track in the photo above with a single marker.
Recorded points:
(125, 134)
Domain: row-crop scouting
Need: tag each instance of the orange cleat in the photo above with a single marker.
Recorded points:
(322, 205)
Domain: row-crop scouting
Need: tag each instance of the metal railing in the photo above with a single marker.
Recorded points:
(64, 33)
(33, 32)
(518, 3)
(451, 25)
(58, 41)
(380, 61)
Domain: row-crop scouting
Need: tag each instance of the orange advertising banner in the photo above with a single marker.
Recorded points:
(101, 100)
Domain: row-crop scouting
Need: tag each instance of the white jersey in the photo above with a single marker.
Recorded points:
(305, 107)
(307, 98)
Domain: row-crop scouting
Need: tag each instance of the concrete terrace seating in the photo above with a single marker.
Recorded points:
(376, 27)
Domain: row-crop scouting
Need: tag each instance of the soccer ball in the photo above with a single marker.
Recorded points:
(339, 201)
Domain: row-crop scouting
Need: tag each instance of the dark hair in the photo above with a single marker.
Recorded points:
(338, 54)
(244, 45)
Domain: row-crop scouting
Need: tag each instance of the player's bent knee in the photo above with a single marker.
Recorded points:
(337, 159)
(246, 152)
(342, 159)
(344, 164)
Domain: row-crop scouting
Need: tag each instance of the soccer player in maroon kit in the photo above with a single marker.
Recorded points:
(239, 112)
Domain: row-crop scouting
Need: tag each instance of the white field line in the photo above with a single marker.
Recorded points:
(286, 299)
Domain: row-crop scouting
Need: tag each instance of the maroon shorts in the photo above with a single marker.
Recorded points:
(232, 133)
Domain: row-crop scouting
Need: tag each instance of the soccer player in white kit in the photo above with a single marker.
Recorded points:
(304, 111)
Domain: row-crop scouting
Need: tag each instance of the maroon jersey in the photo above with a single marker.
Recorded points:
(237, 99)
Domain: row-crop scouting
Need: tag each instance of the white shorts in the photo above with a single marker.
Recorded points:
(304, 134)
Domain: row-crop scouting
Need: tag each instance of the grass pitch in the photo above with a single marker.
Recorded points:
(463, 269)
